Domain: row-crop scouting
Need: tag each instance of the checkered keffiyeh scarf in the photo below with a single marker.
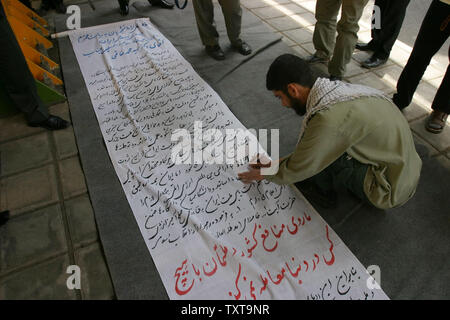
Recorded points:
(325, 93)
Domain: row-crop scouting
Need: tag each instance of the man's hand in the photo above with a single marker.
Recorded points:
(250, 176)
(255, 171)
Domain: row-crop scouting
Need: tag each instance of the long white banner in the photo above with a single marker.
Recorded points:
(210, 236)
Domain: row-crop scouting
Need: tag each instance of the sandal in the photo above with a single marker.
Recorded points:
(436, 122)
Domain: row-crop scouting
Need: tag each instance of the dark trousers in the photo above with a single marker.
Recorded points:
(433, 33)
(16, 77)
(392, 16)
(344, 173)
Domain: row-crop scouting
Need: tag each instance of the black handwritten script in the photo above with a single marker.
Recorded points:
(210, 235)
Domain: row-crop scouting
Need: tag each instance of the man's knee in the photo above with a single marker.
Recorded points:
(348, 26)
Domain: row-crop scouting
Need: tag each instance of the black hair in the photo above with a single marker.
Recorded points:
(287, 69)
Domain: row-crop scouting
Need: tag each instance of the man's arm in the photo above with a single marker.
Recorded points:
(320, 146)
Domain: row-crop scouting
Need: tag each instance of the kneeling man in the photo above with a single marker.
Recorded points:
(352, 137)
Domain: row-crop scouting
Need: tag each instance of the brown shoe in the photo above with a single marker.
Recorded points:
(436, 122)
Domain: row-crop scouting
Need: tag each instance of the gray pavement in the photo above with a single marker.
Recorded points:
(52, 223)
(42, 183)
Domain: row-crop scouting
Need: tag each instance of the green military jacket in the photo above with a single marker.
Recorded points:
(372, 131)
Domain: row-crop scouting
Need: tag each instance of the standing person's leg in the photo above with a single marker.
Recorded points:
(374, 44)
(4, 217)
(204, 15)
(441, 106)
(124, 9)
(325, 29)
(391, 24)
(429, 40)
(232, 13)
(59, 6)
(347, 29)
(16, 76)
(441, 101)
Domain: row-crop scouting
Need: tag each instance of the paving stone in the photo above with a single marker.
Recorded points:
(433, 72)
(436, 82)
(66, 145)
(390, 74)
(293, 22)
(25, 153)
(309, 5)
(269, 26)
(308, 46)
(65, 139)
(29, 190)
(354, 68)
(80, 215)
(61, 110)
(293, 8)
(364, 35)
(95, 278)
(399, 56)
(365, 23)
(32, 237)
(306, 19)
(16, 127)
(281, 1)
(360, 56)
(251, 4)
(72, 177)
(432, 151)
(414, 112)
(424, 95)
(302, 53)
(46, 281)
(372, 80)
(439, 141)
(284, 23)
(300, 35)
(286, 40)
(269, 12)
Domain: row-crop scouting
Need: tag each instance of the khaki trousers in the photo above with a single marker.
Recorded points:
(327, 46)
(204, 15)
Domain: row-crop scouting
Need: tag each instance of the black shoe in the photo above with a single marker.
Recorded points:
(215, 52)
(335, 78)
(52, 123)
(365, 46)
(4, 217)
(373, 62)
(326, 200)
(315, 59)
(242, 47)
(124, 9)
(165, 4)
